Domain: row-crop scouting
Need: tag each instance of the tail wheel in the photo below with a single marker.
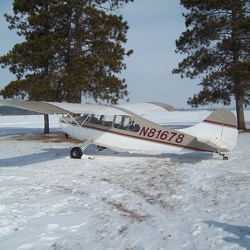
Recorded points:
(223, 155)
(76, 153)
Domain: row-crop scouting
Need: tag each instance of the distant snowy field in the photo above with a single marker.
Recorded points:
(120, 201)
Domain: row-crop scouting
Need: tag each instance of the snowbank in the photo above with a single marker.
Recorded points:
(119, 200)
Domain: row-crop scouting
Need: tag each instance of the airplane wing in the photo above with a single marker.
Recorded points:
(63, 108)
(40, 107)
(77, 108)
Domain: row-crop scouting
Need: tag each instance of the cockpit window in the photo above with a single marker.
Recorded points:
(119, 121)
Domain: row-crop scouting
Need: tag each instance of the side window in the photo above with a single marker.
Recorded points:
(94, 119)
(106, 120)
(102, 120)
(133, 126)
(126, 123)
(121, 122)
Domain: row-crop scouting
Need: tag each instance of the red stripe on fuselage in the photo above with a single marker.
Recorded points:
(221, 124)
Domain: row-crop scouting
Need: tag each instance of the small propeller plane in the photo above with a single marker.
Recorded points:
(123, 127)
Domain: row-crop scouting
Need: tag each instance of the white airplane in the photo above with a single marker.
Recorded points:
(123, 127)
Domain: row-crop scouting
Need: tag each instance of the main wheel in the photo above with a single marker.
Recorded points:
(76, 153)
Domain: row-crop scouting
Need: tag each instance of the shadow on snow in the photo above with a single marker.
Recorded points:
(241, 233)
(30, 159)
(49, 154)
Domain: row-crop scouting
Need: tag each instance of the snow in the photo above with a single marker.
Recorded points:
(126, 200)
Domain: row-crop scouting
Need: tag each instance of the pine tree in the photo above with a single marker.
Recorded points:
(72, 48)
(217, 44)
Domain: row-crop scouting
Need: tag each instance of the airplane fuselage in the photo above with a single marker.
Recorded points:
(130, 133)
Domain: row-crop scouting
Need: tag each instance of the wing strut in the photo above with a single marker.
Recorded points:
(76, 150)
(79, 125)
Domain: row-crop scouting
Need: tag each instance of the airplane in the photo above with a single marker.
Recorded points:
(124, 127)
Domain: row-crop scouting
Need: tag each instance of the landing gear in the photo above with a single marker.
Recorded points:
(223, 155)
(76, 153)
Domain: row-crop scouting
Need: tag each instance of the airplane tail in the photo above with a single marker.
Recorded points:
(218, 130)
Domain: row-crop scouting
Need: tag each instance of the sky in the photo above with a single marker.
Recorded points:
(154, 28)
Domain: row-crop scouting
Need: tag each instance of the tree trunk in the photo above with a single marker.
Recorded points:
(46, 124)
(240, 113)
(236, 59)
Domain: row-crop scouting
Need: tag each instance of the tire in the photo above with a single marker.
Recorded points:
(76, 153)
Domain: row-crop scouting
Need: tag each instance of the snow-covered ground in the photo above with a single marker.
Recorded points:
(119, 201)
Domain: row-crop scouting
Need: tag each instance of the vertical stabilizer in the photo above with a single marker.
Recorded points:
(218, 129)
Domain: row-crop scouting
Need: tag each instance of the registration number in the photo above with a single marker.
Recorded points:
(163, 135)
